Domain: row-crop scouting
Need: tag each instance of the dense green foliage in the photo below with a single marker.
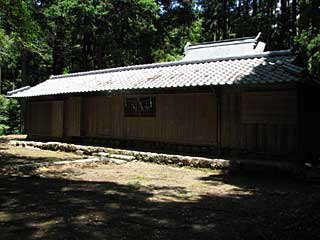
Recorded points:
(9, 115)
(308, 39)
(39, 38)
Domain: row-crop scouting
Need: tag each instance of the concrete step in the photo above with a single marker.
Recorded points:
(107, 156)
(116, 161)
(122, 157)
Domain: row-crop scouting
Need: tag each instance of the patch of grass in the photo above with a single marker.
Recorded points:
(138, 180)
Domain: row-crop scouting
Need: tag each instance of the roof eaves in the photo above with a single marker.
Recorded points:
(13, 92)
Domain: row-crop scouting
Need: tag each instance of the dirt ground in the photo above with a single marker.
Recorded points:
(140, 200)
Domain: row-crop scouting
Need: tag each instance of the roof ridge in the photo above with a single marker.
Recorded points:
(175, 63)
(18, 90)
(253, 38)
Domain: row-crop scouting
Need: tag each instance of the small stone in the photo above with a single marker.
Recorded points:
(79, 152)
(100, 149)
(118, 161)
(203, 164)
(212, 165)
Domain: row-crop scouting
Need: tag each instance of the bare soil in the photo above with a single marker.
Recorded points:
(140, 200)
(13, 155)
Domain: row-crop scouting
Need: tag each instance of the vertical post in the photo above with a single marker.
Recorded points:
(300, 141)
(64, 119)
(82, 116)
(219, 118)
(23, 116)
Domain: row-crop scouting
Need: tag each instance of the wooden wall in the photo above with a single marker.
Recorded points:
(260, 121)
(72, 114)
(257, 120)
(45, 118)
(181, 118)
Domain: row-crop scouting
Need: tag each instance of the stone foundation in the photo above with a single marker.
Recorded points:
(199, 162)
(134, 144)
(231, 164)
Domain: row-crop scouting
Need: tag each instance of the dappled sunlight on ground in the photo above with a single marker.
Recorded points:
(140, 200)
(166, 183)
(13, 155)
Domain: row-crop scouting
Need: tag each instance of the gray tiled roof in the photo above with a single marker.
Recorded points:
(225, 48)
(268, 67)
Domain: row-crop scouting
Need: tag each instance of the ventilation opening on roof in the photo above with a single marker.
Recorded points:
(223, 49)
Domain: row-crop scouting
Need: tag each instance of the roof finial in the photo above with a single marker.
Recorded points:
(258, 36)
(186, 48)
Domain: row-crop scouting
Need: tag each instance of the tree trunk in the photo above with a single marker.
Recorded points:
(283, 9)
(283, 22)
(24, 68)
(58, 49)
(245, 8)
(58, 61)
(294, 17)
(225, 20)
(254, 7)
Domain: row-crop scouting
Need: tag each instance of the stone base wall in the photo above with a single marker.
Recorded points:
(199, 162)
(108, 154)
(165, 147)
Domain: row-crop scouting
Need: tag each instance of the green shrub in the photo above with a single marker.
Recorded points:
(3, 129)
(9, 115)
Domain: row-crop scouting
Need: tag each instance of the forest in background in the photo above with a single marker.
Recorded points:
(39, 38)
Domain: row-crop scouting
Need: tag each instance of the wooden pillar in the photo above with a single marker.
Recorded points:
(23, 115)
(219, 116)
(82, 117)
(64, 121)
(301, 140)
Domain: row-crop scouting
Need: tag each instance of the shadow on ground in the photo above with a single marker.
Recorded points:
(11, 156)
(36, 207)
(10, 160)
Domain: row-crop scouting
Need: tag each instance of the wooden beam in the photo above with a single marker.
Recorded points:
(219, 116)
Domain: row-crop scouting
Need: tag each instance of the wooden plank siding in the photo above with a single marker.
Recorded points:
(269, 107)
(57, 119)
(45, 118)
(262, 122)
(72, 114)
(230, 116)
(183, 118)
(258, 120)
